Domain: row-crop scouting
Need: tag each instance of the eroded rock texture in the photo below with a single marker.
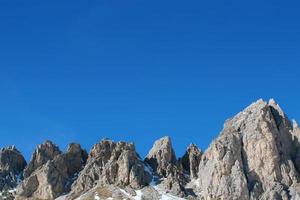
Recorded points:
(12, 164)
(162, 159)
(190, 161)
(252, 158)
(53, 171)
(43, 153)
(256, 157)
(111, 163)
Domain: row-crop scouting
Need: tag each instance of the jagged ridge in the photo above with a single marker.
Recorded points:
(256, 156)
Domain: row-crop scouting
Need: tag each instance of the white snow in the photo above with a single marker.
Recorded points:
(61, 197)
(170, 197)
(97, 196)
(139, 195)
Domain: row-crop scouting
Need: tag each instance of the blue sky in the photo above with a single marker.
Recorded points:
(138, 70)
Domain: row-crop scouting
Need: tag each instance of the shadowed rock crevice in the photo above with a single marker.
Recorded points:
(190, 161)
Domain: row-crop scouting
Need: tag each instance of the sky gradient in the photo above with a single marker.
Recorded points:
(79, 71)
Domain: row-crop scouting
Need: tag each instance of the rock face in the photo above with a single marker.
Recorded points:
(190, 161)
(43, 153)
(12, 164)
(53, 177)
(256, 157)
(111, 163)
(161, 157)
(252, 158)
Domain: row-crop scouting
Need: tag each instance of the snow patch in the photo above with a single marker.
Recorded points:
(97, 196)
(138, 195)
(170, 197)
(61, 197)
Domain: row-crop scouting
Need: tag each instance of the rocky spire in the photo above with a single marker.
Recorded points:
(111, 163)
(53, 177)
(191, 160)
(252, 158)
(43, 153)
(12, 164)
(162, 157)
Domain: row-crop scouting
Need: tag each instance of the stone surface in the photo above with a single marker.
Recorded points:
(43, 153)
(162, 157)
(255, 157)
(55, 177)
(190, 161)
(252, 158)
(12, 164)
(111, 163)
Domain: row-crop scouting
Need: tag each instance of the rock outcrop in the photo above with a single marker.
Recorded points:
(256, 157)
(43, 153)
(111, 163)
(252, 158)
(162, 159)
(12, 164)
(55, 176)
(190, 161)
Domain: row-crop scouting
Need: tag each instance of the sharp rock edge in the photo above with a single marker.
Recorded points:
(256, 156)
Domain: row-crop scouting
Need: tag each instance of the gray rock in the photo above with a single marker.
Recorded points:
(252, 158)
(256, 157)
(55, 177)
(43, 153)
(12, 164)
(162, 157)
(111, 163)
(190, 161)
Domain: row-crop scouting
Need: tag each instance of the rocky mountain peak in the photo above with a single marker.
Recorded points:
(43, 153)
(161, 157)
(255, 157)
(191, 160)
(53, 171)
(247, 160)
(11, 159)
(12, 164)
(111, 163)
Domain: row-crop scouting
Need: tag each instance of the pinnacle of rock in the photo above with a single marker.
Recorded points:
(12, 163)
(55, 176)
(256, 144)
(111, 163)
(43, 153)
(191, 160)
(162, 156)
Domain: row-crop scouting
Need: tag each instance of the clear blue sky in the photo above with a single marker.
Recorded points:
(138, 70)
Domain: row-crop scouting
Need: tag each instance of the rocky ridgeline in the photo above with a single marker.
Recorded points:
(256, 156)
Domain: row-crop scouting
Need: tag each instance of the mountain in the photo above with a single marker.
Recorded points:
(255, 157)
